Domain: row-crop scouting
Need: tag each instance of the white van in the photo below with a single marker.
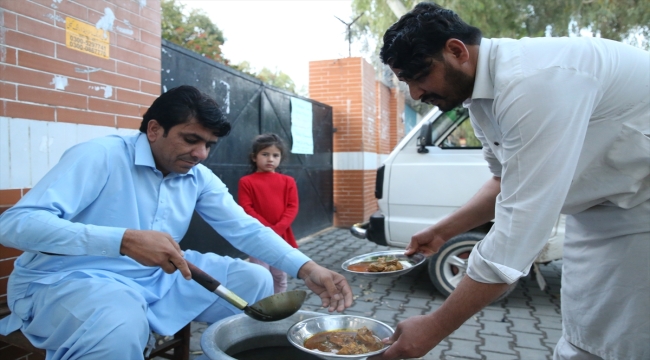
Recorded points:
(433, 171)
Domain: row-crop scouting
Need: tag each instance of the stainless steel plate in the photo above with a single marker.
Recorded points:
(303, 330)
(408, 262)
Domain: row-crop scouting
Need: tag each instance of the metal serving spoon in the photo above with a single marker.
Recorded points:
(271, 308)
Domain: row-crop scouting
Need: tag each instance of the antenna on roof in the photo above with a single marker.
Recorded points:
(349, 32)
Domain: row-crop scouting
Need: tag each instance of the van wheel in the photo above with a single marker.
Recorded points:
(449, 265)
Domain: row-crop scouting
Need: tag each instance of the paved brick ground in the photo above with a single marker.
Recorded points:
(526, 325)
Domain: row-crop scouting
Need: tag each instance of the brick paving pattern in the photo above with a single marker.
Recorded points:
(526, 325)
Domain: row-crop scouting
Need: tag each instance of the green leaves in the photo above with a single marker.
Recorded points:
(195, 32)
(277, 79)
(621, 20)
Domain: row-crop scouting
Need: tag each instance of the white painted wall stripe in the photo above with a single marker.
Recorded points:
(358, 160)
(30, 148)
(4, 152)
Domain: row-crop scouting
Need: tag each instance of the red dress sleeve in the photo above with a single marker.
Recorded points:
(291, 209)
(245, 199)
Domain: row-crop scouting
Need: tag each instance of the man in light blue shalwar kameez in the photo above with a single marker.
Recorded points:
(100, 237)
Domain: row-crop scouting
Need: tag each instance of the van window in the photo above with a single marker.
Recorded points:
(453, 130)
(462, 137)
(444, 123)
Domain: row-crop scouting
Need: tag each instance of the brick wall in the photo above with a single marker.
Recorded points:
(53, 96)
(364, 115)
(384, 112)
(110, 92)
(396, 117)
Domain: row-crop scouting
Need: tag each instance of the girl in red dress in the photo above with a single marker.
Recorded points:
(270, 197)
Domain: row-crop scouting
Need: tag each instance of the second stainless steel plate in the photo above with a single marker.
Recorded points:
(408, 262)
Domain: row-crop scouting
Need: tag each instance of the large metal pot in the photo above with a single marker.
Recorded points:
(240, 337)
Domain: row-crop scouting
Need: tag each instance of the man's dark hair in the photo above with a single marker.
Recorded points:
(419, 36)
(182, 104)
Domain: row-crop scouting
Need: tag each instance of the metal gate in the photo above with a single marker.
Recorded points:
(254, 108)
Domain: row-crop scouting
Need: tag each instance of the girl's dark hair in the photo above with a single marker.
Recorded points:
(263, 141)
(419, 36)
(182, 104)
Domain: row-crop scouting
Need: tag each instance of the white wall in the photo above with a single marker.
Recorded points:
(30, 148)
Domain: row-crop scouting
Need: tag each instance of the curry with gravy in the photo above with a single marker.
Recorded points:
(381, 265)
(345, 342)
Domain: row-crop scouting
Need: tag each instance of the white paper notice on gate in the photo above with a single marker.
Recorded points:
(301, 127)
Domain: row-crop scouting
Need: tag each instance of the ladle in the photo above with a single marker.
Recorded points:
(271, 308)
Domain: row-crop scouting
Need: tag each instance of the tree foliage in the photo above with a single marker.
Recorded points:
(198, 33)
(195, 31)
(621, 20)
(277, 79)
(274, 78)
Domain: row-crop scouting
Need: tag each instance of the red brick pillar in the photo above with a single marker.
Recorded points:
(361, 116)
(385, 110)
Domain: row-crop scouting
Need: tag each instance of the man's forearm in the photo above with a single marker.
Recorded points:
(466, 300)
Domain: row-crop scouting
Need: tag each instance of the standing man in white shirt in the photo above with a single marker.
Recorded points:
(565, 127)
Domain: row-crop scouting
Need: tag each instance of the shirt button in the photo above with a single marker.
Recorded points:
(496, 143)
(103, 252)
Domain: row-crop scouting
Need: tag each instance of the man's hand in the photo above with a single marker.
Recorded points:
(427, 242)
(413, 338)
(332, 287)
(154, 248)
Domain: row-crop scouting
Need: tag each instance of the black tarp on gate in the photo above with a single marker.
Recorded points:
(254, 108)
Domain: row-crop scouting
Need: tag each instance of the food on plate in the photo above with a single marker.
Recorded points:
(345, 342)
(381, 265)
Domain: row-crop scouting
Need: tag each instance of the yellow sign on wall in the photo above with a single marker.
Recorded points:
(86, 38)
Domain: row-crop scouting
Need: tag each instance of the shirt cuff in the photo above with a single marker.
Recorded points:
(292, 262)
(104, 240)
(485, 271)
